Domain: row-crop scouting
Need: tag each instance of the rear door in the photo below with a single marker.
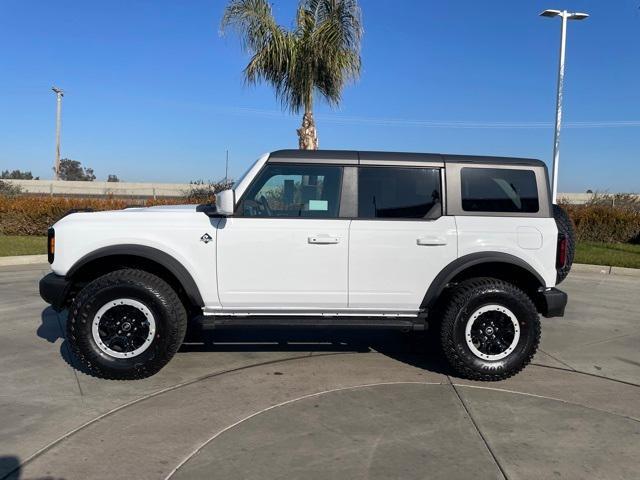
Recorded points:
(286, 247)
(400, 240)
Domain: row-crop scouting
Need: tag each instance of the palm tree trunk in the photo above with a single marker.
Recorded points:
(307, 133)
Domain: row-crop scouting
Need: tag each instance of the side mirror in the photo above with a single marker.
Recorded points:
(225, 204)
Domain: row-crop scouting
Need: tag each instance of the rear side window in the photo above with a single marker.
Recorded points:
(499, 190)
(390, 192)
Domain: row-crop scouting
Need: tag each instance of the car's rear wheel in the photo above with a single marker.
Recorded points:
(490, 329)
(126, 324)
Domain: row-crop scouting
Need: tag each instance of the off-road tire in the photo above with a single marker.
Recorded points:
(465, 299)
(156, 295)
(565, 227)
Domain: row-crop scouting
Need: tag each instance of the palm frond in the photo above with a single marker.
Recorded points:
(321, 54)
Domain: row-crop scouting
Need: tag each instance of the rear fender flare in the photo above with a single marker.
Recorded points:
(461, 264)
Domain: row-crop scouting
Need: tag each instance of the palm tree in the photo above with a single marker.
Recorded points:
(318, 56)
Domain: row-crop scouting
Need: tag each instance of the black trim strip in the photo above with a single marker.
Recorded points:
(467, 261)
(149, 253)
(355, 157)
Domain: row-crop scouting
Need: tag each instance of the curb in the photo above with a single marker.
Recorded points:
(23, 260)
(605, 270)
(630, 272)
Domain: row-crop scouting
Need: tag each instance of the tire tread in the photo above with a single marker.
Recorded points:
(135, 278)
(457, 300)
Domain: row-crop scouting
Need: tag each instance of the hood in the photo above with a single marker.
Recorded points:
(129, 216)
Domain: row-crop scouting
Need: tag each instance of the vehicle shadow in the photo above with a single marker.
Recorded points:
(9, 467)
(413, 348)
(53, 328)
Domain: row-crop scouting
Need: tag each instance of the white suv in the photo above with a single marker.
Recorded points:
(470, 246)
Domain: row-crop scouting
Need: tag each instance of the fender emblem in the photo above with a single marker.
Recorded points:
(206, 238)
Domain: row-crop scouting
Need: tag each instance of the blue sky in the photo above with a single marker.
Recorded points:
(154, 93)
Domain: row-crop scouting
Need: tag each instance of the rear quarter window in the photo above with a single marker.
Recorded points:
(499, 190)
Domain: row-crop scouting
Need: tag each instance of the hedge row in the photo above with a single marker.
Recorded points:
(600, 223)
(21, 215)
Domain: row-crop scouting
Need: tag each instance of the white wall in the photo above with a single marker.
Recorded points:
(117, 189)
(129, 189)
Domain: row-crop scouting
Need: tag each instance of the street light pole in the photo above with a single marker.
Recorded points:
(59, 94)
(564, 15)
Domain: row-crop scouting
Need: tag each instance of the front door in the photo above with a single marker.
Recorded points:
(286, 246)
(400, 240)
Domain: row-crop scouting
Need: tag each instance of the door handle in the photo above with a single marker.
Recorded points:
(323, 239)
(433, 241)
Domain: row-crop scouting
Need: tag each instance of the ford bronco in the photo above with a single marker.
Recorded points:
(470, 246)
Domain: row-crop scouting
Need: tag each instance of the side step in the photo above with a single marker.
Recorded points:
(208, 322)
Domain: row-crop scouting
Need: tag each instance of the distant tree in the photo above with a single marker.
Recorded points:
(589, 191)
(73, 170)
(112, 178)
(17, 175)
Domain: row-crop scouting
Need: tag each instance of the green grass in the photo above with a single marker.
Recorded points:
(22, 245)
(614, 254)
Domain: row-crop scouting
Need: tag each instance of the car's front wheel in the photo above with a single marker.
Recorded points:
(490, 329)
(126, 324)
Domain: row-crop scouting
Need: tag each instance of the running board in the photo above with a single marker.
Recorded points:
(208, 322)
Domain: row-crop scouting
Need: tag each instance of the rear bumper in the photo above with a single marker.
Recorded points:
(54, 289)
(552, 302)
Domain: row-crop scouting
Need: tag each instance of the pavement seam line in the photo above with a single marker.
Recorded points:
(602, 377)
(281, 404)
(477, 428)
(544, 397)
(558, 360)
(149, 396)
(635, 332)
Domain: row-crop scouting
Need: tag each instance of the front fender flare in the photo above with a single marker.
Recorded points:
(149, 253)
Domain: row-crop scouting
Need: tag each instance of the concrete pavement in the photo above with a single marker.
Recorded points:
(325, 404)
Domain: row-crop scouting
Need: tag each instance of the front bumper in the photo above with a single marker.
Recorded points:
(552, 302)
(54, 290)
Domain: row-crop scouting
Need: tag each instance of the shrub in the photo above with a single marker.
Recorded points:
(621, 200)
(9, 189)
(23, 215)
(603, 223)
(201, 191)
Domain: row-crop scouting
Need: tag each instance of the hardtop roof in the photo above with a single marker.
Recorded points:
(353, 156)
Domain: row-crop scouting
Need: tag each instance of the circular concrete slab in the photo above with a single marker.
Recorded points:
(387, 431)
(422, 431)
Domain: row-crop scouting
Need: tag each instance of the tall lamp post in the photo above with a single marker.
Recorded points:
(59, 94)
(564, 15)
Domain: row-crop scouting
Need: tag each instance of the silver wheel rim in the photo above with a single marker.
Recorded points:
(475, 316)
(146, 342)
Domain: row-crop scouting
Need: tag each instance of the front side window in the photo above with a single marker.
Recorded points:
(289, 191)
(499, 190)
(397, 192)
